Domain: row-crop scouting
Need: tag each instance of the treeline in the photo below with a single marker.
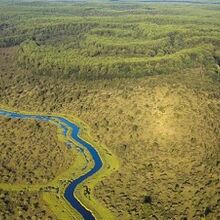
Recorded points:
(99, 46)
(46, 33)
(75, 40)
(47, 60)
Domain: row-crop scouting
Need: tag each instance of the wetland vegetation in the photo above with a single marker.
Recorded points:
(146, 79)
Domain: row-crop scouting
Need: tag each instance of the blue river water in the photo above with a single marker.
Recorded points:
(65, 124)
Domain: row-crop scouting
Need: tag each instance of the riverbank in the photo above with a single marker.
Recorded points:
(110, 164)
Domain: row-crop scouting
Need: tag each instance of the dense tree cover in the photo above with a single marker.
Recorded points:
(164, 128)
(90, 41)
(47, 60)
(23, 205)
(33, 156)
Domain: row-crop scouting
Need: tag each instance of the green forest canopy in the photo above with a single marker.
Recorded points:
(90, 41)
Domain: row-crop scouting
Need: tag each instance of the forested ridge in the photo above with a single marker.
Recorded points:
(93, 41)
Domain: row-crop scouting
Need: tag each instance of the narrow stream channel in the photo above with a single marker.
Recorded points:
(69, 193)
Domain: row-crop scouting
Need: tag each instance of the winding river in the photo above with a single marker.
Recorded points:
(66, 125)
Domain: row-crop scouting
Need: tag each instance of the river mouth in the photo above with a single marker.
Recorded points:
(73, 133)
